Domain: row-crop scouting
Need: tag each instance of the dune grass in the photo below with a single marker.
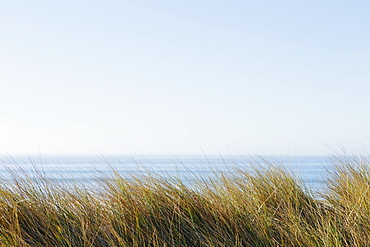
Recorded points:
(265, 208)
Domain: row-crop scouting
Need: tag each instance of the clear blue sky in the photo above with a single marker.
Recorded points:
(162, 77)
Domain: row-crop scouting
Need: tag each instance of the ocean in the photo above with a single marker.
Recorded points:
(89, 169)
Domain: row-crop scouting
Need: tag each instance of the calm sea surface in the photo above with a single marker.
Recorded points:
(312, 170)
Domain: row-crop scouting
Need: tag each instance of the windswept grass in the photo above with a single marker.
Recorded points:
(267, 207)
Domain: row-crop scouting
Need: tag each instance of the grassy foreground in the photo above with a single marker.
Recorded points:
(268, 208)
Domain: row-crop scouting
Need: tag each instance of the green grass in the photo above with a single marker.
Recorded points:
(265, 208)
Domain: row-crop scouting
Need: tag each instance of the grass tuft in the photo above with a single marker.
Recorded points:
(265, 207)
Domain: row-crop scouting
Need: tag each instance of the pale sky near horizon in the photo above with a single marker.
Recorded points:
(184, 77)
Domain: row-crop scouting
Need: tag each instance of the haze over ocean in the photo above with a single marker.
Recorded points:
(92, 169)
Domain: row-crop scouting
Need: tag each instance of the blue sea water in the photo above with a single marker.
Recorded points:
(312, 170)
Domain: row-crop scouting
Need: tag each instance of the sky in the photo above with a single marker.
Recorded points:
(184, 77)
